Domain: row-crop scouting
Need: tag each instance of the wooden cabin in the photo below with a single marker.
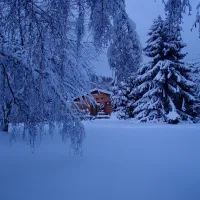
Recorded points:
(96, 104)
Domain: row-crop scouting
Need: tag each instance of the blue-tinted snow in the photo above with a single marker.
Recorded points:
(122, 161)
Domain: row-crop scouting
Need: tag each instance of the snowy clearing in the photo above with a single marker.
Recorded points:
(121, 161)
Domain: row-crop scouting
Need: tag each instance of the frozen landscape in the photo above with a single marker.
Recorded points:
(63, 62)
(122, 160)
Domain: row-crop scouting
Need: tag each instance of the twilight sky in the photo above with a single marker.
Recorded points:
(143, 12)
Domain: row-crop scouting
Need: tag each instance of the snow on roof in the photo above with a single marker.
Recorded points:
(101, 90)
(93, 90)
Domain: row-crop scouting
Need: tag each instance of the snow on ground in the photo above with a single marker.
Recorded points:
(122, 161)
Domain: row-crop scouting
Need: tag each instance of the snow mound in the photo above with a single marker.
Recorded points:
(173, 117)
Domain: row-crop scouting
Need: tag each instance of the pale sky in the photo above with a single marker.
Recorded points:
(143, 12)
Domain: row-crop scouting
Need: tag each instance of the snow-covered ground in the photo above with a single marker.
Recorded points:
(122, 161)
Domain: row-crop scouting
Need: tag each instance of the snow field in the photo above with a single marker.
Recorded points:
(122, 160)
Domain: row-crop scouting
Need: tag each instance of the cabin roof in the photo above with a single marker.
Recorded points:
(92, 91)
(100, 91)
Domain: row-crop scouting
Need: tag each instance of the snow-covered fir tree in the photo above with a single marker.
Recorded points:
(196, 79)
(155, 44)
(123, 98)
(124, 57)
(164, 86)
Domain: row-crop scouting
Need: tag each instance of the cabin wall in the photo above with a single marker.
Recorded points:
(101, 97)
(103, 103)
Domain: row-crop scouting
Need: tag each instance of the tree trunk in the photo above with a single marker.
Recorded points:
(6, 112)
(5, 125)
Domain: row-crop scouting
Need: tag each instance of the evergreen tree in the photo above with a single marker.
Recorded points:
(155, 43)
(124, 56)
(195, 77)
(164, 86)
(123, 99)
